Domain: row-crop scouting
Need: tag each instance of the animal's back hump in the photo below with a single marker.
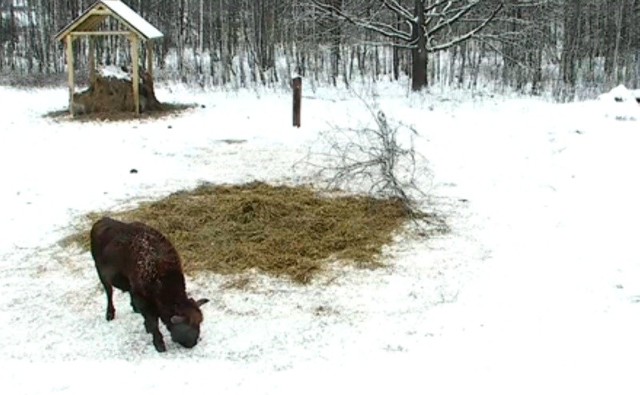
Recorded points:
(152, 253)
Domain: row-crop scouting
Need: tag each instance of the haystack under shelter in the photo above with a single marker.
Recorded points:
(111, 18)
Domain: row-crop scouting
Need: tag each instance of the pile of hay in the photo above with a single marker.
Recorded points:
(283, 231)
(111, 94)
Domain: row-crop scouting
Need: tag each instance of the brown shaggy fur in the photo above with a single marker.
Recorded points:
(139, 259)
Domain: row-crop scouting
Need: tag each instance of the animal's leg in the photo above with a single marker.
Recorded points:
(108, 289)
(137, 304)
(134, 307)
(150, 321)
(151, 325)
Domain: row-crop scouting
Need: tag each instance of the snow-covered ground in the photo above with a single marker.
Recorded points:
(534, 291)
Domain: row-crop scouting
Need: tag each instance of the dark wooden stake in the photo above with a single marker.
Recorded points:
(297, 99)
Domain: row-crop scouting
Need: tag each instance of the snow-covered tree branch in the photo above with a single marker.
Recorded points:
(429, 26)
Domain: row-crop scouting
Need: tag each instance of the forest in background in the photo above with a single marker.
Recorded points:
(570, 48)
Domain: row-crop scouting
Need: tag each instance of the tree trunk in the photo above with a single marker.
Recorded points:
(396, 53)
(419, 52)
(570, 50)
(463, 63)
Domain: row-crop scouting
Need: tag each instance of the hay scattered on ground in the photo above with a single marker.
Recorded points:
(165, 110)
(282, 231)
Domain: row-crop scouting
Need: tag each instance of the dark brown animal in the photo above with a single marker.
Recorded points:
(138, 259)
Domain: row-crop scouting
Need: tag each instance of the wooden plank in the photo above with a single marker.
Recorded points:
(101, 12)
(70, 73)
(101, 33)
(135, 47)
(91, 24)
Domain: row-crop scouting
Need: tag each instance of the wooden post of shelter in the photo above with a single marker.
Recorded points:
(297, 101)
(135, 48)
(70, 72)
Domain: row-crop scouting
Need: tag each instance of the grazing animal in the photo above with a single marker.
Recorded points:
(138, 259)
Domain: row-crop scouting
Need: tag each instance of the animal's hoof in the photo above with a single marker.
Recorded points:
(160, 347)
(111, 315)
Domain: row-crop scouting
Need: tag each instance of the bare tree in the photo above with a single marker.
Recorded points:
(571, 47)
(425, 26)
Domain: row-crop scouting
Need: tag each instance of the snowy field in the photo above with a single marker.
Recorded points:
(534, 291)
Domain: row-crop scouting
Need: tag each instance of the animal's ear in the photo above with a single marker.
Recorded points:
(200, 302)
(177, 319)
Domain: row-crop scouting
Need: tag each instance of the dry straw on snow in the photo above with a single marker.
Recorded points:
(283, 231)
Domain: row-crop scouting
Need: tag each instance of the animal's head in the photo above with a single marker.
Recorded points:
(185, 325)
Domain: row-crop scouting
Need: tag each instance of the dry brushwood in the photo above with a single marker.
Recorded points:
(372, 158)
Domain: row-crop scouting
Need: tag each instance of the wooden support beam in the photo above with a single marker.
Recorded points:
(102, 12)
(101, 33)
(135, 48)
(70, 73)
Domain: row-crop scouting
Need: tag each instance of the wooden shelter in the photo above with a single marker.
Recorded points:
(91, 24)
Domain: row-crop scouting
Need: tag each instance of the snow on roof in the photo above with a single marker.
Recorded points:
(132, 18)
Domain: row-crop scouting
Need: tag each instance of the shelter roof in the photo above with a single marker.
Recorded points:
(93, 16)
